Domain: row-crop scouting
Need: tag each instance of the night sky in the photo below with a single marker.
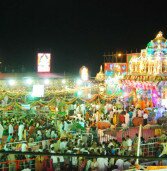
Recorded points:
(75, 32)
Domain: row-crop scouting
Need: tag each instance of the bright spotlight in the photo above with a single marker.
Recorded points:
(79, 93)
(63, 81)
(79, 82)
(29, 81)
(12, 82)
(89, 96)
(46, 81)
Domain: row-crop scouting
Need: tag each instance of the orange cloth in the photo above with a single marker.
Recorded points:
(103, 125)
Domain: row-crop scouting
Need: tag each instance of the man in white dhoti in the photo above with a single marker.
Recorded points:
(10, 129)
(20, 131)
(1, 132)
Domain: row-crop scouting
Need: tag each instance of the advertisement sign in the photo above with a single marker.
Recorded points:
(112, 69)
(43, 62)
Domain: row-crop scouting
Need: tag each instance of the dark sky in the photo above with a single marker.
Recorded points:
(76, 32)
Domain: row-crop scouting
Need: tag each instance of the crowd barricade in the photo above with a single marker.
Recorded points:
(33, 145)
(149, 149)
(18, 164)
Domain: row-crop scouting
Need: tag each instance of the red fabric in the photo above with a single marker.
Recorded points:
(48, 168)
(31, 130)
(122, 118)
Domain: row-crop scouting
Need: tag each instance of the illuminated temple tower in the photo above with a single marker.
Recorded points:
(153, 60)
(146, 80)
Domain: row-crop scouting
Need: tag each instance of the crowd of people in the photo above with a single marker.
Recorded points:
(74, 129)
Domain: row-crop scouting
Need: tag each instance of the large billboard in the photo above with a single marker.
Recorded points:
(112, 69)
(43, 62)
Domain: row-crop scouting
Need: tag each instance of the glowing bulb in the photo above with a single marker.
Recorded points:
(29, 81)
(63, 81)
(79, 82)
(79, 93)
(12, 82)
(89, 96)
(119, 54)
(46, 81)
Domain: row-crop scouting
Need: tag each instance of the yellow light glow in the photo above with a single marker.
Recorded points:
(119, 54)
(160, 34)
(12, 82)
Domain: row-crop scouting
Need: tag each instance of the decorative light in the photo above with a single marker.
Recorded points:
(84, 73)
(79, 82)
(100, 76)
(46, 81)
(102, 88)
(160, 34)
(63, 81)
(12, 82)
(119, 54)
(29, 81)
(89, 96)
(79, 93)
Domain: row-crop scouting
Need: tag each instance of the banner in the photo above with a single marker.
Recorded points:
(112, 69)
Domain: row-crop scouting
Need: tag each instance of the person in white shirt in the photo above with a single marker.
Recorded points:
(120, 164)
(39, 132)
(11, 130)
(24, 147)
(129, 144)
(94, 165)
(54, 158)
(53, 134)
(63, 145)
(20, 131)
(1, 132)
(145, 118)
(139, 113)
(102, 164)
(127, 119)
(111, 116)
(127, 164)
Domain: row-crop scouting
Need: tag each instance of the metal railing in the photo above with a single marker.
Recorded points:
(69, 162)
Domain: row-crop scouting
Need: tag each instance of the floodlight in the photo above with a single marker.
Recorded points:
(29, 81)
(63, 81)
(46, 81)
(12, 82)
